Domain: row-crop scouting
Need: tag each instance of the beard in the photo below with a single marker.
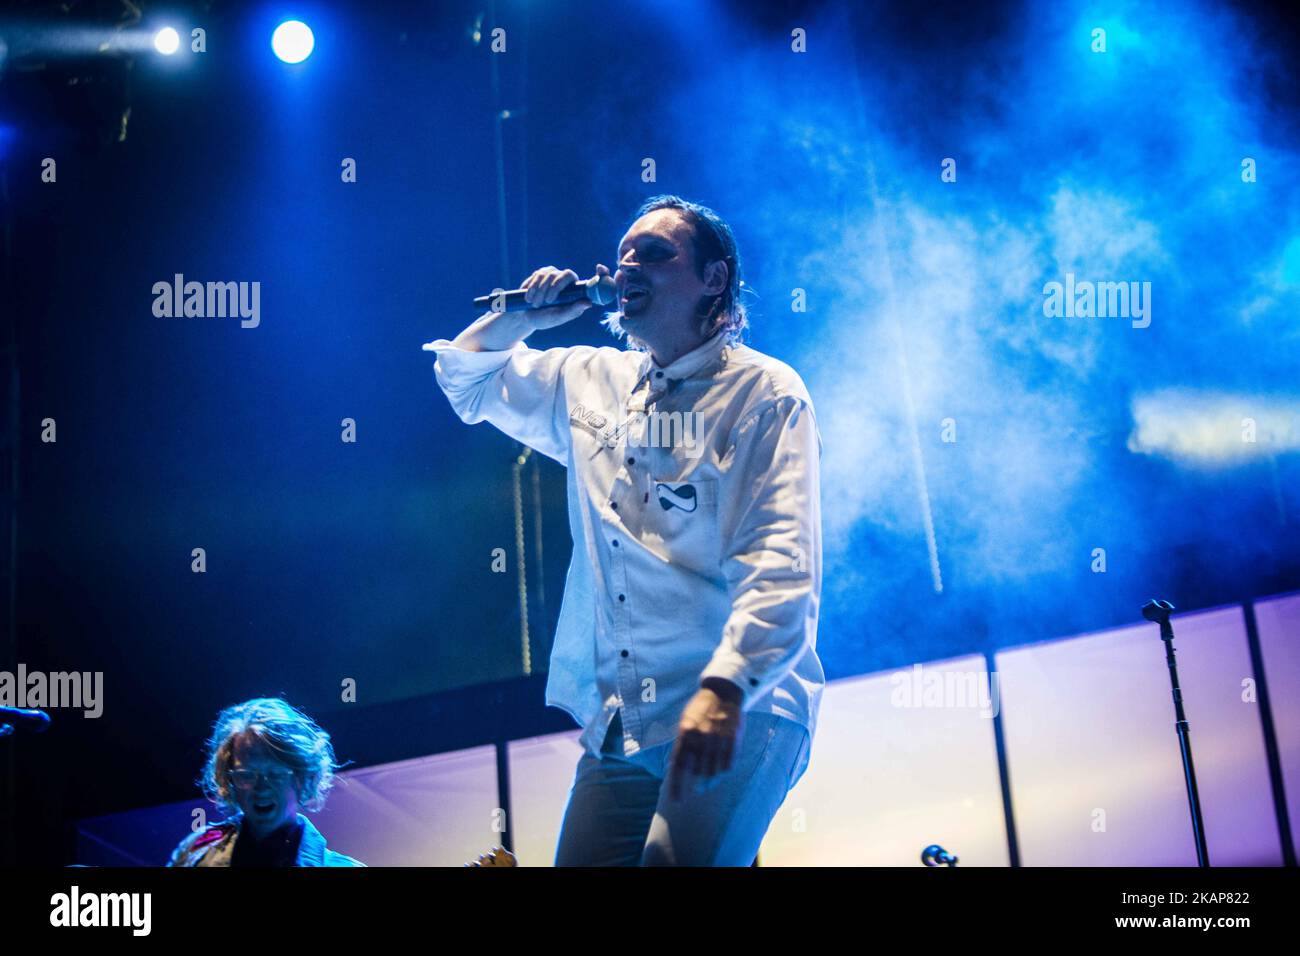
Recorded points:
(708, 318)
(616, 323)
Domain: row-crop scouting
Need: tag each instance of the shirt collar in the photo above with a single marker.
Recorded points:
(701, 357)
(311, 851)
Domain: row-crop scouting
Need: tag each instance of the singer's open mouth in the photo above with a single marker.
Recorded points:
(631, 295)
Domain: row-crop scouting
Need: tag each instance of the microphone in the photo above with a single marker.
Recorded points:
(599, 290)
(29, 721)
(1157, 612)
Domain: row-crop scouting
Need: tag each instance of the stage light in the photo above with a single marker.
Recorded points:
(1214, 428)
(293, 41)
(166, 41)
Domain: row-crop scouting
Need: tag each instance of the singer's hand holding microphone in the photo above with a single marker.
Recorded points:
(549, 297)
(553, 296)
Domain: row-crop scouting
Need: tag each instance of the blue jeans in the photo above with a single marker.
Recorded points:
(620, 812)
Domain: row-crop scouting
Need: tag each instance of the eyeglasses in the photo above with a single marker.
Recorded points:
(246, 779)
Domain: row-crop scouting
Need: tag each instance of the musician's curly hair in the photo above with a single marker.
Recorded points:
(714, 240)
(295, 739)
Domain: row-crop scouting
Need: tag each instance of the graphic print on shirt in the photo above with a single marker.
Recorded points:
(600, 426)
(678, 520)
(681, 496)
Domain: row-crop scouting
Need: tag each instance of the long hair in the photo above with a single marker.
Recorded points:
(293, 738)
(714, 240)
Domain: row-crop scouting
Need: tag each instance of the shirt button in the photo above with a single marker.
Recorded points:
(622, 597)
(625, 653)
(616, 542)
(753, 682)
(614, 505)
(631, 461)
(659, 374)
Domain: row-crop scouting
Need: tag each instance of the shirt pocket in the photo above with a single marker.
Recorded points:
(681, 517)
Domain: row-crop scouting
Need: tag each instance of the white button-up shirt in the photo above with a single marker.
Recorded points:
(695, 511)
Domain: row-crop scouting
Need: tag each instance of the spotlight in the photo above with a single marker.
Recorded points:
(1209, 428)
(293, 41)
(166, 41)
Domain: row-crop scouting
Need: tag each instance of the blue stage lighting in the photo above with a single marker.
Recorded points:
(1291, 262)
(293, 41)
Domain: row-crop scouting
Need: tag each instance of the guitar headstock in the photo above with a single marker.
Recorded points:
(497, 856)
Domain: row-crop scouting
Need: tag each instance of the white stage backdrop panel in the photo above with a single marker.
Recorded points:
(431, 811)
(1278, 622)
(541, 776)
(1096, 775)
(902, 759)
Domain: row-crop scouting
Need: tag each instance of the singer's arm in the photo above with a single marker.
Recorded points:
(489, 375)
(495, 332)
(499, 331)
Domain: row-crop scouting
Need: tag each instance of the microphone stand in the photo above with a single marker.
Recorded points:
(1158, 612)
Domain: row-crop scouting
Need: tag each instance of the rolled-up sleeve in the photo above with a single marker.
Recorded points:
(770, 521)
(519, 390)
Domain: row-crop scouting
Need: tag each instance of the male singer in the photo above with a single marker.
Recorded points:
(686, 646)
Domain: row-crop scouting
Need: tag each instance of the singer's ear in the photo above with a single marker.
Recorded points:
(717, 275)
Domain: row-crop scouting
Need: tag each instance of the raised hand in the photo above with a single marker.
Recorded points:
(543, 286)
